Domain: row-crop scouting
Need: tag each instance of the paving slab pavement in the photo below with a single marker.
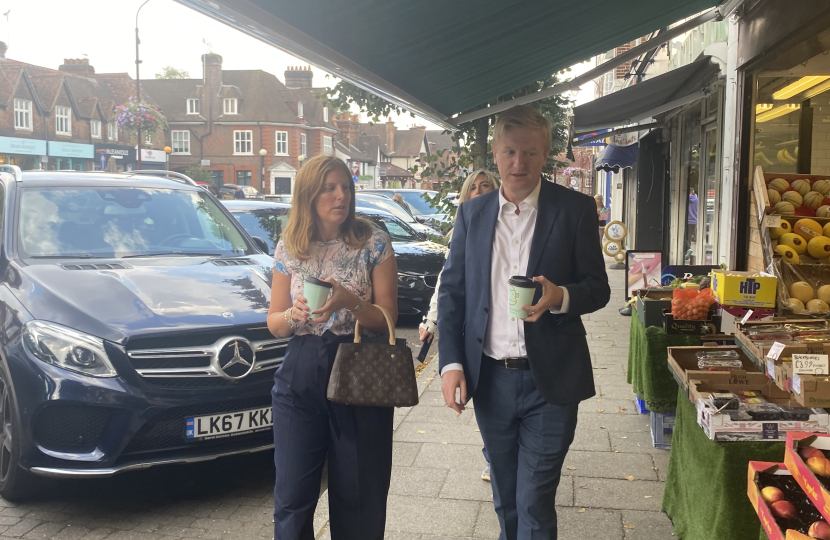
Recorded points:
(612, 481)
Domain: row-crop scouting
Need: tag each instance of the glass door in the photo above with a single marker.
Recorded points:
(709, 203)
(691, 171)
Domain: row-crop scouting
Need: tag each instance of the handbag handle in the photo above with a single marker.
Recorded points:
(388, 323)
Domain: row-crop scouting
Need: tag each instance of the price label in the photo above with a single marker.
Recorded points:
(747, 316)
(811, 364)
(796, 384)
(775, 350)
(771, 369)
(772, 221)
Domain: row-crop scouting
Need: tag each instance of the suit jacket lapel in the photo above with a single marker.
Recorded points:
(483, 229)
(546, 214)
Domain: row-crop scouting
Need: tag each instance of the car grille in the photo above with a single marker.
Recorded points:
(205, 359)
(431, 281)
(69, 427)
(165, 431)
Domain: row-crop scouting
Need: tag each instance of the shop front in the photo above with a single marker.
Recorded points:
(123, 157)
(25, 153)
(64, 156)
(153, 160)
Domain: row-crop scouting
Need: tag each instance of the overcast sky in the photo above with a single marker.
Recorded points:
(44, 32)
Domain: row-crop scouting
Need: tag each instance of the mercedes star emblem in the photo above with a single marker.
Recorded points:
(236, 359)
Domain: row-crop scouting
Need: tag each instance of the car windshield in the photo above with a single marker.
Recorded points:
(266, 225)
(398, 230)
(416, 201)
(124, 222)
(387, 206)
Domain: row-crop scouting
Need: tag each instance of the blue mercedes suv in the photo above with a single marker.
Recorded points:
(132, 326)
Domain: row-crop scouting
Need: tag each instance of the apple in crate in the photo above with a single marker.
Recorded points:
(819, 466)
(783, 509)
(772, 494)
(811, 452)
(819, 530)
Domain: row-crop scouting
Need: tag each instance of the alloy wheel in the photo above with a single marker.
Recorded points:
(6, 432)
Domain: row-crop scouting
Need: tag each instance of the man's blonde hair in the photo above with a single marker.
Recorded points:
(523, 116)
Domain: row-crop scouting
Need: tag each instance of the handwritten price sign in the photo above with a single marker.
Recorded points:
(811, 364)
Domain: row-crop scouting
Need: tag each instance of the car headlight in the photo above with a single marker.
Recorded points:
(67, 348)
(407, 280)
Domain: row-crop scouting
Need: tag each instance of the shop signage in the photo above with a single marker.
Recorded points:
(811, 364)
(71, 150)
(625, 139)
(116, 151)
(31, 147)
(355, 167)
(157, 156)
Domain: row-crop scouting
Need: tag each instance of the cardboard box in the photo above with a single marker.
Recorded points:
(729, 315)
(698, 328)
(756, 470)
(781, 371)
(758, 351)
(720, 427)
(650, 305)
(802, 474)
(744, 289)
(683, 367)
(811, 390)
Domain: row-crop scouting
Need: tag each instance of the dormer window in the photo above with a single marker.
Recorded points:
(300, 109)
(325, 114)
(230, 106)
(192, 106)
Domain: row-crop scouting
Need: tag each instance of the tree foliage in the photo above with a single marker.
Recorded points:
(199, 174)
(170, 72)
(473, 138)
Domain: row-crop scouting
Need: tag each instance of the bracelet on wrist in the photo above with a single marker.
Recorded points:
(358, 307)
(289, 320)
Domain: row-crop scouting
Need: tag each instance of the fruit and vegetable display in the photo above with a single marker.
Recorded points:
(805, 241)
(791, 508)
(801, 332)
(752, 406)
(803, 289)
(799, 197)
(692, 304)
(719, 360)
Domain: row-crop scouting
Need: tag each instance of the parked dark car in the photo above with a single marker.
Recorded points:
(133, 327)
(419, 261)
(233, 191)
(418, 206)
(378, 202)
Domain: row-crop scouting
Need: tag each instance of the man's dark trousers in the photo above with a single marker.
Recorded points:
(527, 439)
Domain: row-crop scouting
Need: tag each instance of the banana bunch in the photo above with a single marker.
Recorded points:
(762, 160)
(785, 158)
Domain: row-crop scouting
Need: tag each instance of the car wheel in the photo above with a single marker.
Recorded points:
(15, 482)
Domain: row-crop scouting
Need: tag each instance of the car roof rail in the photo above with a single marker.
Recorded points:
(173, 175)
(14, 170)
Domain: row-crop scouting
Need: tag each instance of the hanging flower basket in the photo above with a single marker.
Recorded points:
(135, 115)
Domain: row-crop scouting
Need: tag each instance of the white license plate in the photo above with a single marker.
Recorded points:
(230, 424)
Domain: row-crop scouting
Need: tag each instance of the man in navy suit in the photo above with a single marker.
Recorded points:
(527, 375)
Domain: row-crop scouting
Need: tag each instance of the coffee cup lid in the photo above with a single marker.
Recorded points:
(521, 281)
(318, 282)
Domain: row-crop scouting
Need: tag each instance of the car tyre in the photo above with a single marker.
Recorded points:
(16, 483)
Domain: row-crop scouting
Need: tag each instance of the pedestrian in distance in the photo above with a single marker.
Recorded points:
(324, 239)
(602, 214)
(528, 370)
(477, 183)
(398, 199)
(239, 193)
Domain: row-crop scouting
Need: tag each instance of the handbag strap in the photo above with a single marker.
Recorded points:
(388, 323)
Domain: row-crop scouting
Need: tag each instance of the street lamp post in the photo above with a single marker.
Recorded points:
(138, 79)
(262, 152)
(167, 151)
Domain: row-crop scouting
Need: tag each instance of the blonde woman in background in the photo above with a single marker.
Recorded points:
(477, 183)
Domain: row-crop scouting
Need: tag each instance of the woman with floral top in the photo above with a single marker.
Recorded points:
(324, 239)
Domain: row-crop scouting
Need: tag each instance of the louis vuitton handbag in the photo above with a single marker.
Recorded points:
(373, 374)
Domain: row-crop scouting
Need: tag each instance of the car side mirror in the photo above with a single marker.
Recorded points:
(261, 244)
(420, 219)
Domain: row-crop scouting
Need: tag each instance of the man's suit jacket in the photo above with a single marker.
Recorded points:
(565, 250)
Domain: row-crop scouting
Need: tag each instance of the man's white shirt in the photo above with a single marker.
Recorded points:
(505, 335)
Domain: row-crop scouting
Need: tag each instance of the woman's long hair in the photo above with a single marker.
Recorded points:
(464, 195)
(301, 228)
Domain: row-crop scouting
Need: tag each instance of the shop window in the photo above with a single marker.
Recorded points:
(192, 106)
(112, 131)
(243, 178)
(243, 142)
(23, 114)
(95, 129)
(218, 178)
(327, 150)
(281, 138)
(63, 120)
(302, 144)
(230, 106)
(148, 138)
(181, 142)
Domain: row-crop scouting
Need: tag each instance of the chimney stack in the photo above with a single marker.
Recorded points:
(3, 49)
(74, 65)
(212, 70)
(298, 77)
(390, 135)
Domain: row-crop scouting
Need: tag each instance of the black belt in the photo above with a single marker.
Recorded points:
(510, 363)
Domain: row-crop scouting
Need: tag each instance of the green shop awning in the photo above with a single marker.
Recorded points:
(439, 57)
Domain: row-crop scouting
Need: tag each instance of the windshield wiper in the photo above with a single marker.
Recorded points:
(172, 253)
(68, 256)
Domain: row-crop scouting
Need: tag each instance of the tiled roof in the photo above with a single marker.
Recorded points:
(352, 152)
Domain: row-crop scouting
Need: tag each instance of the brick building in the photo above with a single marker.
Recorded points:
(223, 120)
(61, 119)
